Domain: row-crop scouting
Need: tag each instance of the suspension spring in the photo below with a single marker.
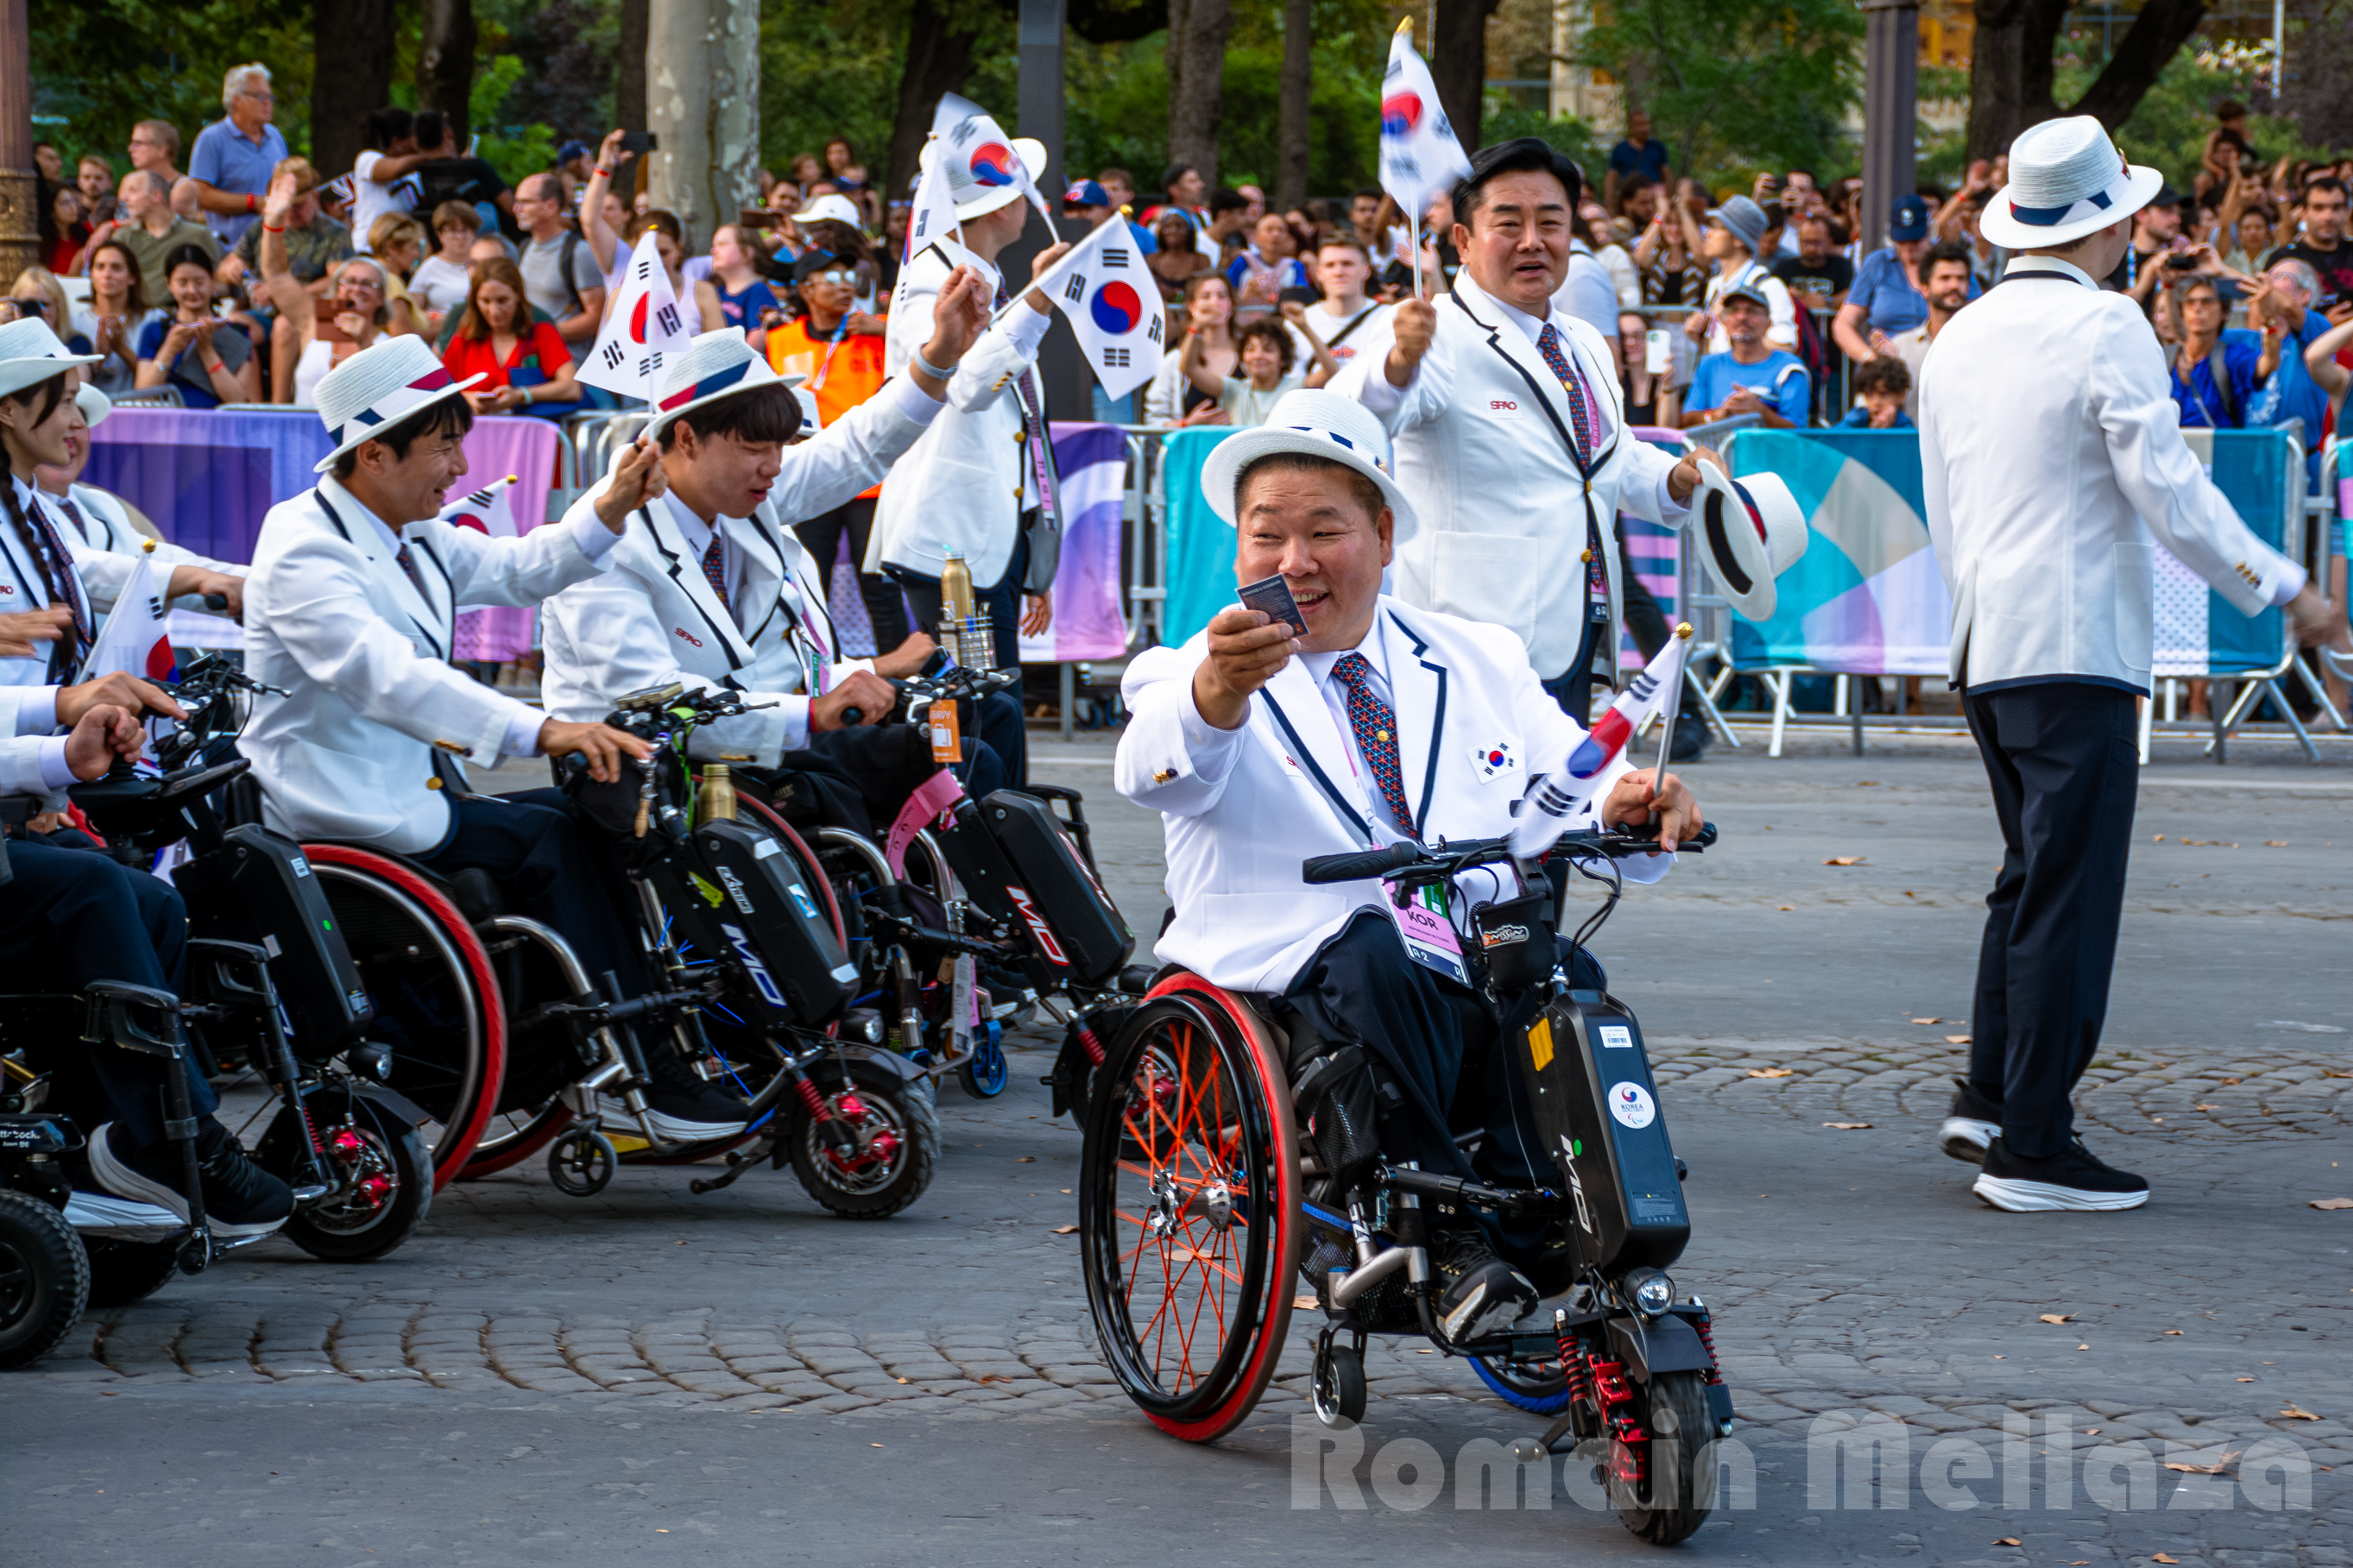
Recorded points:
(1573, 1367)
(810, 1097)
(1093, 1046)
(1706, 1324)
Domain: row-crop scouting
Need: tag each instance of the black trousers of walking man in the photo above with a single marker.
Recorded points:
(2064, 759)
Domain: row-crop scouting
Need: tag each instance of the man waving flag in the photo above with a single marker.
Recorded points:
(1564, 795)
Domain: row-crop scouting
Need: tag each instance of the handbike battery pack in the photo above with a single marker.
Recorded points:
(1598, 1111)
(259, 888)
(1014, 858)
(749, 898)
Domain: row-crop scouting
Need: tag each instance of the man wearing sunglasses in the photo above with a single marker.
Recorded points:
(836, 351)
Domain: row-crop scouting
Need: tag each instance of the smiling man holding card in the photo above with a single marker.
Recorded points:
(1322, 716)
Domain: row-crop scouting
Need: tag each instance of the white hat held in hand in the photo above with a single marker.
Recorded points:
(95, 405)
(1750, 530)
(1320, 424)
(30, 354)
(715, 365)
(378, 387)
(2066, 180)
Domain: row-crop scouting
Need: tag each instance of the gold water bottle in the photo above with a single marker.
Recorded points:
(718, 797)
(955, 605)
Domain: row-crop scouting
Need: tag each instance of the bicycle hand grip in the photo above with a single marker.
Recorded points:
(852, 717)
(1700, 840)
(215, 600)
(1358, 864)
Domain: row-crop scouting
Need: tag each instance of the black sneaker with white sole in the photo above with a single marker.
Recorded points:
(242, 1201)
(2076, 1179)
(1973, 1122)
(1483, 1293)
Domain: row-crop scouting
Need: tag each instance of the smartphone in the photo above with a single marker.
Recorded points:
(758, 217)
(1658, 351)
(638, 141)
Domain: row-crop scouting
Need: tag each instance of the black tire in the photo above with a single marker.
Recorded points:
(44, 1278)
(890, 1185)
(1339, 1388)
(1680, 1479)
(362, 1221)
(122, 1272)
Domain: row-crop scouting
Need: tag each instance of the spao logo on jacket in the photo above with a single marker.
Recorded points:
(689, 636)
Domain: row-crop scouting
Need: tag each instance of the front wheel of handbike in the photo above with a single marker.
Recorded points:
(1188, 1209)
(1678, 1486)
(894, 1130)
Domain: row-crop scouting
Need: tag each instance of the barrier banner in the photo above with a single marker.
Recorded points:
(1200, 542)
(2198, 632)
(1092, 462)
(1653, 551)
(206, 477)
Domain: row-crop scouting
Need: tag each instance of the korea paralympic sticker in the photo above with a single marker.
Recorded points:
(1632, 1106)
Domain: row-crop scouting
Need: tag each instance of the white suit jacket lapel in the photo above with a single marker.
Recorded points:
(685, 568)
(758, 588)
(1505, 339)
(344, 516)
(1417, 679)
(1306, 733)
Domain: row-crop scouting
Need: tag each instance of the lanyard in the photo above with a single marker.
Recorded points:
(816, 382)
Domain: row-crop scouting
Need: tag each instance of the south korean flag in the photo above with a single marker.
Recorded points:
(641, 329)
(1108, 294)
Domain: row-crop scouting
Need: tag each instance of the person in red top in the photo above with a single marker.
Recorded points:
(839, 349)
(526, 367)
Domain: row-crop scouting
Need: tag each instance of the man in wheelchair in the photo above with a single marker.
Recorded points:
(1364, 722)
(711, 587)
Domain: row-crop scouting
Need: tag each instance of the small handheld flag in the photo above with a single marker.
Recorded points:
(490, 509)
(643, 329)
(134, 640)
(1420, 154)
(1547, 813)
(1113, 304)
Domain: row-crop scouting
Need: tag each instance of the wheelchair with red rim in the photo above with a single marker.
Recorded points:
(1210, 1198)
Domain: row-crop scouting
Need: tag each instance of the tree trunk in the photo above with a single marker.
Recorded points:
(2010, 71)
(352, 75)
(20, 233)
(1297, 91)
(1196, 81)
(445, 63)
(2156, 36)
(939, 56)
(1457, 63)
(702, 91)
(629, 72)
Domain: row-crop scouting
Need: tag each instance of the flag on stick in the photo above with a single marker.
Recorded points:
(134, 641)
(1565, 794)
(1419, 155)
(490, 509)
(1114, 307)
(932, 217)
(980, 156)
(642, 328)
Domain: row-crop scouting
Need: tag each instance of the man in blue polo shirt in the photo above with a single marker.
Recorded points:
(234, 157)
(1752, 376)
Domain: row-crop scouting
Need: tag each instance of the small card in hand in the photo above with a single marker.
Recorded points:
(1271, 596)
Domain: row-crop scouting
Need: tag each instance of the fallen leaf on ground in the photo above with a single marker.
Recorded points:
(2173, 1331)
(2332, 1203)
(2005, 1540)
(2275, 843)
(2298, 1413)
(2161, 1557)
(2201, 1108)
(1783, 908)
(2216, 1469)
(1772, 1072)
(2228, 1080)
(1426, 1350)
(2057, 1317)
(1066, 1192)
(1844, 861)
(1927, 1020)
(1027, 1160)
(2083, 1347)
(2161, 839)
(904, 1380)
(1065, 1229)
(2334, 1072)
(1956, 1039)
(2246, 1380)
(1850, 1126)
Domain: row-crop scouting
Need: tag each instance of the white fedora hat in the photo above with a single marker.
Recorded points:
(378, 387)
(831, 209)
(1751, 530)
(2066, 180)
(1317, 424)
(986, 168)
(95, 405)
(715, 365)
(30, 354)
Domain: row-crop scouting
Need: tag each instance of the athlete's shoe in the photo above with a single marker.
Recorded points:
(2076, 1179)
(242, 1201)
(1973, 1122)
(1483, 1293)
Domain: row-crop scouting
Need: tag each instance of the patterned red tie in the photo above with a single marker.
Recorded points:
(1375, 724)
(714, 569)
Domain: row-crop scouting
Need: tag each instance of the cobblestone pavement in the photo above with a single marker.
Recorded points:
(1853, 1276)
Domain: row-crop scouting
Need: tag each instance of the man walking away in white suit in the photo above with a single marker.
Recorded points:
(2050, 451)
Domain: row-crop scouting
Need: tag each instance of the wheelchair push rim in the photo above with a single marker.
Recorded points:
(1189, 1209)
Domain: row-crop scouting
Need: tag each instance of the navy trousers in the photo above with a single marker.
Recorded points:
(1002, 725)
(546, 869)
(2063, 760)
(70, 917)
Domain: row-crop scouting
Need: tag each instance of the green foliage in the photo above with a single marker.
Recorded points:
(100, 66)
(2169, 127)
(1731, 85)
(513, 150)
(830, 68)
(1502, 121)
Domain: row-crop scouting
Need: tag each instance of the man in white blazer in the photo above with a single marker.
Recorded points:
(355, 589)
(2051, 453)
(709, 587)
(1386, 722)
(1511, 432)
(986, 464)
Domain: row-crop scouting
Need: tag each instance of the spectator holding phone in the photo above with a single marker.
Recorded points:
(210, 361)
(117, 313)
(525, 365)
(1173, 399)
(2213, 380)
(2155, 241)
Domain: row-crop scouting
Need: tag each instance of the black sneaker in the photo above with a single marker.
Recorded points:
(1973, 1122)
(242, 1201)
(2076, 1179)
(683, 1106)
(1483, 1293)
(1691, 739)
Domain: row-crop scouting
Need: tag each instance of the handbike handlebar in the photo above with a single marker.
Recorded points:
(1412, 862)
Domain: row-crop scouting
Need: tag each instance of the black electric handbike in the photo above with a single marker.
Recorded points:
(1211, 1192)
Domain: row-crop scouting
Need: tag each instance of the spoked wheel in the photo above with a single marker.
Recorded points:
(44, 1278)
(1676, 1489)
(1188, 1209)
(438, 1007)
(1538, 1387)
(895, 1140)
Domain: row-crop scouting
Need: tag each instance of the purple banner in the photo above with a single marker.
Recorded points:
(1092, 461)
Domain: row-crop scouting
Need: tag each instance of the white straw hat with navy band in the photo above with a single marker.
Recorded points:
(1316, 424)
(716, 365)
(1749, 530)
(2066, 180)
(378, 387)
